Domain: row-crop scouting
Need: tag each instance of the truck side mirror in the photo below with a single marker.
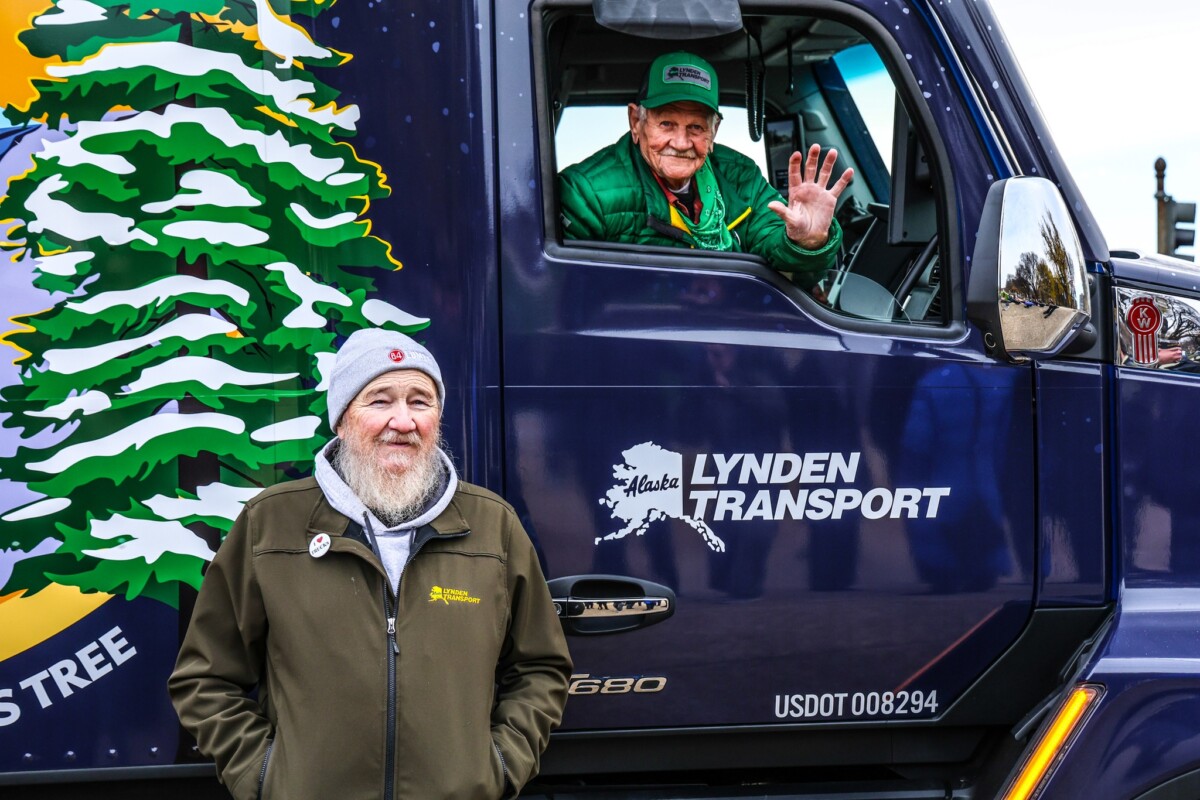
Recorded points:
(782, 138)
(1028, 289)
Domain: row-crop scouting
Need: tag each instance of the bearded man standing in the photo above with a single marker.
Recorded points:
(383, 629)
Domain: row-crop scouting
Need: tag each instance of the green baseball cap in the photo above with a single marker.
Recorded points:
(678, 77)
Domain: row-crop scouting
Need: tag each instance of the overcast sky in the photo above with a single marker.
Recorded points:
(1119, 85)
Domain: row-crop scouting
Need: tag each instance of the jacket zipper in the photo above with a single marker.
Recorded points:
(389, 747)
(389, 761)
(389, 752)
(262, 774)
(668, 230)
(503, 767)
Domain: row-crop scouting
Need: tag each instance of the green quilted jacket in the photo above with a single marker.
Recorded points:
(612, 196)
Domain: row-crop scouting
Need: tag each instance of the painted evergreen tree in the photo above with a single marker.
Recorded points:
(201, 223)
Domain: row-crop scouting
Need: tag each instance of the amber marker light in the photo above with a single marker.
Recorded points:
(1052, 744)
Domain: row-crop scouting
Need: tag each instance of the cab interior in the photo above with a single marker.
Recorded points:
(786, 80)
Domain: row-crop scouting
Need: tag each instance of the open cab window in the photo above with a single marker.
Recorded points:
(787, 81)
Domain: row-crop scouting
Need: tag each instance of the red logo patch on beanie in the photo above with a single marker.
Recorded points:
(396, 355)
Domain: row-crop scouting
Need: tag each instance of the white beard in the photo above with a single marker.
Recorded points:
(395, 496)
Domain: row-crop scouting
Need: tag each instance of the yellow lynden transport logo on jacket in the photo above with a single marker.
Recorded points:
(449, 596)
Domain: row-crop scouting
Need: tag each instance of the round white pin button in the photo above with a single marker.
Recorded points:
(319, 545)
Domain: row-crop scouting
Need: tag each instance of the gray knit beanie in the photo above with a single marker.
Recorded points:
(369, 353)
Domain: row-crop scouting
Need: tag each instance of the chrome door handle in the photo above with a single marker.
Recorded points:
(588, 605)
(615, 607)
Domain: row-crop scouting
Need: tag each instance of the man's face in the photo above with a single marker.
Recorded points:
(674, 139)
(393, 421)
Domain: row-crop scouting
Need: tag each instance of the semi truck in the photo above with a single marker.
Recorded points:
(928, 532)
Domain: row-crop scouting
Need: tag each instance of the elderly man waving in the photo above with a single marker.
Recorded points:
(667, 183)
(382, 629)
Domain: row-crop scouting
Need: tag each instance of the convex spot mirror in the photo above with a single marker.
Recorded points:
(1028, 290)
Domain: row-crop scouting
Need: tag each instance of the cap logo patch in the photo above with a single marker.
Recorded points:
(686, 73)
(396, 355)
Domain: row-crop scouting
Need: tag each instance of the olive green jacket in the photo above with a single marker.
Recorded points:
(480, 664)
(612, 196)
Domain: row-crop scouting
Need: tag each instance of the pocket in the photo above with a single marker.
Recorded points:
(262, 773)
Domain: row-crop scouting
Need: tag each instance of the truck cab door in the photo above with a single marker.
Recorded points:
(837, 490)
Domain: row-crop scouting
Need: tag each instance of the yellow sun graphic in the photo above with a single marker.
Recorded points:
(19, 65)
(30, 620)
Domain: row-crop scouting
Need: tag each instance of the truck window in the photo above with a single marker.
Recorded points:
(585, 129)
(822, 82)
(873, 94)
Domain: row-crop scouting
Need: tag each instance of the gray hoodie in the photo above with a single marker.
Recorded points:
(394, 543)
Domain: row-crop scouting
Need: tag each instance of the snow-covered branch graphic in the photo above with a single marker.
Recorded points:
(199, 223)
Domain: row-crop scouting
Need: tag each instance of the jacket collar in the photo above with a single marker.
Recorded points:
(344, 500)
(327, 519)
(657, 207)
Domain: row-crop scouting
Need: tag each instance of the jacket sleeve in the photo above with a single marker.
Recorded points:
(764, 234)
(534, 666)
(579, 209)
(220, 662)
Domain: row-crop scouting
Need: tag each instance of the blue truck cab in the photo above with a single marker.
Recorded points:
(925, 533)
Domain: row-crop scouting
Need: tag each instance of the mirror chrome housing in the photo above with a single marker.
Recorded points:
(670, 19)
(1028, 289)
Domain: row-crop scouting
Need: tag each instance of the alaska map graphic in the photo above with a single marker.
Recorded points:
(649, 488)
